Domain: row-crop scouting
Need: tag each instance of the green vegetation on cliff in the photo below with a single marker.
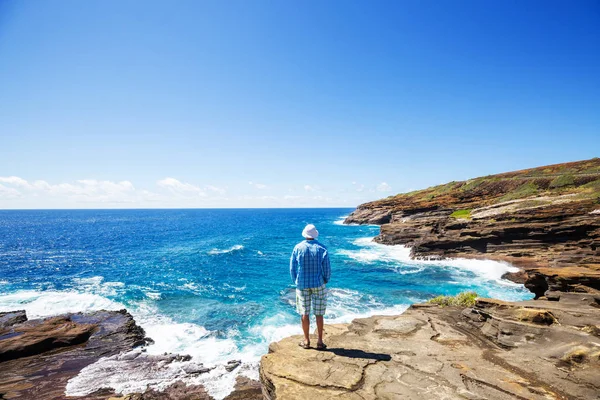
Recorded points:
(465, 214)
(464, 299)
(580, 179)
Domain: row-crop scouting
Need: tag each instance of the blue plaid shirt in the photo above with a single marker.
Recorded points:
(309, 265)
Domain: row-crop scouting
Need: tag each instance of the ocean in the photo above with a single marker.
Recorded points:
(211, 283)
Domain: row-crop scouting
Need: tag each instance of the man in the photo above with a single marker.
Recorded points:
(310, 271)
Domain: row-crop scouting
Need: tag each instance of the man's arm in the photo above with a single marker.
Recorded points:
(326, 267)
(293, 266)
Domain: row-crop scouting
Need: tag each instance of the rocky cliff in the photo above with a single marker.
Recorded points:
(545, 220)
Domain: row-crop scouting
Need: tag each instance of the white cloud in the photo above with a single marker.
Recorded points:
(259, 186)
(85, 190)
(9, 192)
(14, 180)
(216, 189)
(384, 187)
(177, 187)
(16, 192)
(359, 187)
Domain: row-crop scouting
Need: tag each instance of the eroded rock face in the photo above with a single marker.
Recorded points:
(38, 357)
(496, 350)
(27, 339)
(551, 236)
(540, 218)
(246, 389)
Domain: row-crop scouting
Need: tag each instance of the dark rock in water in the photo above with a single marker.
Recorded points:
(233, 364)
(8, 319)
(196, 369)
(494, 350)
(51, 351)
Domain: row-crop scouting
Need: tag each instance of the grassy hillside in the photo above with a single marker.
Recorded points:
(580, 179)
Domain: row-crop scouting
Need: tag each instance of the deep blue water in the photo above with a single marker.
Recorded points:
(214, 283)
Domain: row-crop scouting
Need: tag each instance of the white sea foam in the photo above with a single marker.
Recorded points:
(153, 295)
(97, 285)
(43, 304)
(340, 220)
(344, 305)
(235, 288)
(231, 249)
(176, 338)
(135, 372)
(371, 252)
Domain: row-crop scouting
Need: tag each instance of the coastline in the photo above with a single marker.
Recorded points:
(551, 250)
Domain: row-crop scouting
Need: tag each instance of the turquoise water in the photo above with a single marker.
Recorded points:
(212, 283)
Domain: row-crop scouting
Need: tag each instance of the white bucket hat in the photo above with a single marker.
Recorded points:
(310, 232)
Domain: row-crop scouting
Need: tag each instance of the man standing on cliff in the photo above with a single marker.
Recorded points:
(310, 271)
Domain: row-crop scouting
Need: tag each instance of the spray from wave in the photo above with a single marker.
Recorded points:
(371, 252)
(231, 249)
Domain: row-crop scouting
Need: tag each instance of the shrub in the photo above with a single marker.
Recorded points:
(561, 181)
(592, 185)
(525, 190)
(472, 184)
(464, 299)
(465, 214)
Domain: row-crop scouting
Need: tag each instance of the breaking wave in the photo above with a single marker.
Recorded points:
(231, 249)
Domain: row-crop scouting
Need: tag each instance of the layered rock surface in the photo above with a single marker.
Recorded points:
(495, 350)
(38, 358)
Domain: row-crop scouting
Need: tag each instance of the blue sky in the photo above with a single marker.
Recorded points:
(280, 103)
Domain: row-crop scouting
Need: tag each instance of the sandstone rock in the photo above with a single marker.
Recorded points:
(536, 316)
(373, 217)
(49, 352)
(496, 350)
(176, 391)
(27, 339)
(245, 389)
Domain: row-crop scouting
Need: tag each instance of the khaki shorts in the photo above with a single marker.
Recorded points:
(317, 297)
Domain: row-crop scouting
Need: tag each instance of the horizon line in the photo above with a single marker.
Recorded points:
(172, 208)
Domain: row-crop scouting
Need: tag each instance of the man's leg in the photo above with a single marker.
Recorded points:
(306, 327)
(303, 308)
(319, 306)
(319, 328)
